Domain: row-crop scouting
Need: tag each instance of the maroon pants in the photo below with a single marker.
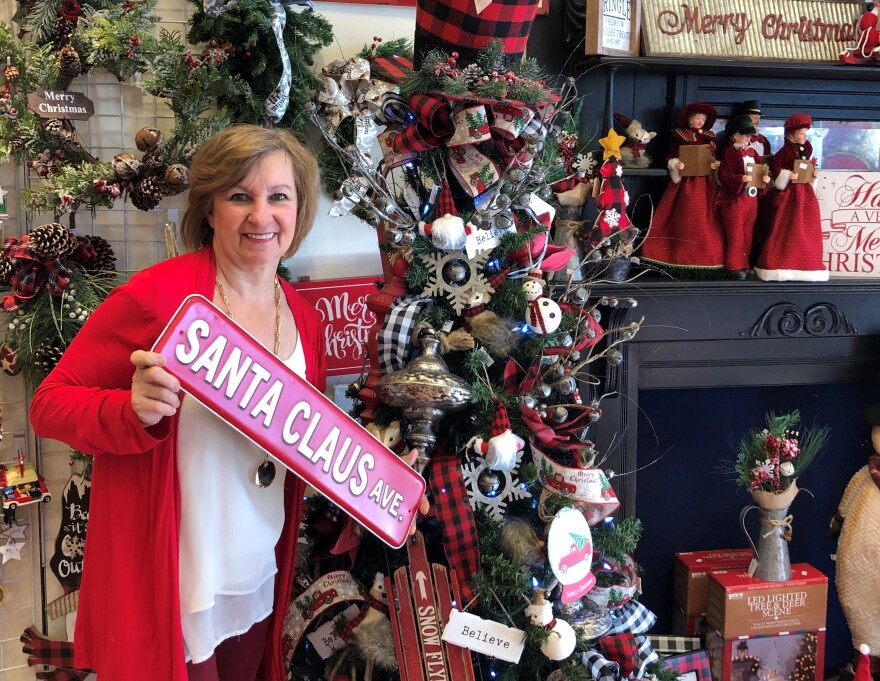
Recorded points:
(738, 219)
(236, 659)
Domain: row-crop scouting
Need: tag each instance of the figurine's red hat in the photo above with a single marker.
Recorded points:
(797, 121)
(698, 108)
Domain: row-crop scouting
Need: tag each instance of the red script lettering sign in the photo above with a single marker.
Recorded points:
(224, 368)
(342, 304)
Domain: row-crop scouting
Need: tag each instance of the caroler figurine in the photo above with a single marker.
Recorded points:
(685, 235)
(742, 178)
(793, 250)
(867, 47)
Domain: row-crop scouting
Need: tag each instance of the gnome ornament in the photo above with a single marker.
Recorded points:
(447, 231)
(503, 445)
(560, 644)
(543, 314)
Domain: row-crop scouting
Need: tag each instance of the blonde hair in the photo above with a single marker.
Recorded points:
(225, 159)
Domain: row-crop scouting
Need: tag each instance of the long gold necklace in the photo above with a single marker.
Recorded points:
(229, 314)
(265, 473)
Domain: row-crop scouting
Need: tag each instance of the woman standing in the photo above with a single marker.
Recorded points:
(189, 558)
(793, 250)
(685, 235)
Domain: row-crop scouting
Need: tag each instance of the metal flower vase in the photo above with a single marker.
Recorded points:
(771, 553)
(425, 391)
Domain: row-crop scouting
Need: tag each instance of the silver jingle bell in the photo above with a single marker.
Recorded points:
(489, 482)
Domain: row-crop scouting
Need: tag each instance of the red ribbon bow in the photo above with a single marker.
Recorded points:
(31, 274)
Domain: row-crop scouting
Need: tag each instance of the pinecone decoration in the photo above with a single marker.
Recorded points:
(69, 63)
(52, 241)
(104, 264)
(52, 126)
(126, 166)
(177, 178)
(146, 193)
(472, 74)
(11, 73)
(68, 140)
(153, 160)
(147, 139)
(6, 271)
(48, 354)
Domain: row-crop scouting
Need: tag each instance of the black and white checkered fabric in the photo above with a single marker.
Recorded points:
(602, 669)
(394, 340)
(634, 617)
(675, 645)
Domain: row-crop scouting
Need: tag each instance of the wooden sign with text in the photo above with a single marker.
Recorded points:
(612, 28)
(228, 371)
(849, 205)
(342, 304)
(61, 104)
(782, 30)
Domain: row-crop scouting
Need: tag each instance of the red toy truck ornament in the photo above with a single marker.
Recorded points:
(21, 485)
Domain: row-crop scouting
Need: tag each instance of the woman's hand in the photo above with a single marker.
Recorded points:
(154, 392)
(424, 505)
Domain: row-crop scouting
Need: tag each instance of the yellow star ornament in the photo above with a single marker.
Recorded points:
(611, 144)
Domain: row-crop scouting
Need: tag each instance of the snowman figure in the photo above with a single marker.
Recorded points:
(543, 314)
(560, 644)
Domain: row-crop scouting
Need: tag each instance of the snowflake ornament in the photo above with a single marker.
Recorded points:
(456, 277)
(585, 162)
(510, 488)
(612, 217)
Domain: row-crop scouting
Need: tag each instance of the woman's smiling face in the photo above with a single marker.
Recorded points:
(254, 222)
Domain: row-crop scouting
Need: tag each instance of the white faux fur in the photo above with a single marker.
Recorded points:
(503, 449)
(674, 173)
(791, 275)
(782, 179)
(447, 233)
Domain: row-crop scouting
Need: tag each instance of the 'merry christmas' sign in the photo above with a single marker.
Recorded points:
(786, 30)
(342, 304)
(223, 367)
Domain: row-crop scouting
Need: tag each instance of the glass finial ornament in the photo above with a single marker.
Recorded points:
(425, 391)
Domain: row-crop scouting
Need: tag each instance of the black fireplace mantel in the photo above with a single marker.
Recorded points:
(719, 334)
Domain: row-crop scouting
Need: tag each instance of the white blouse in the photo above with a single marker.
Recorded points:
(228, 528)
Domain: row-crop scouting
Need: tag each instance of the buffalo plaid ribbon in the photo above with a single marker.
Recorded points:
(371, 602)
(454, 516)
(622, 649)
(394, 339)
(51, 652)
(603, 669)
(394, 69)
(455, 26)
(633, 617)
(568, 183)
(31, 273)
(434, 124)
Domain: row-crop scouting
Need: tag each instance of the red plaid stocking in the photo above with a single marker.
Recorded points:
(622, 649)
(53, 653)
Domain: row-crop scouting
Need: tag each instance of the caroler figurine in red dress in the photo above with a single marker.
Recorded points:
(867, 47)
(685, 235)
(793, 251)
(737, 202)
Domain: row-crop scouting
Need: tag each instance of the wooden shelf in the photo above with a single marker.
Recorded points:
(728, 67)
(644, 172)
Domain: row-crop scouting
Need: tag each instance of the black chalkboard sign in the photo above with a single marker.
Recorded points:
(66, 562)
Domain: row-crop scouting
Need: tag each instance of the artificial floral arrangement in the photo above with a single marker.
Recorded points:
(772, 458)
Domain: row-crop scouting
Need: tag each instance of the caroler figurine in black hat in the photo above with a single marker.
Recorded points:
(752, 109)
(685, 235)
(793, 250)
(737, 201)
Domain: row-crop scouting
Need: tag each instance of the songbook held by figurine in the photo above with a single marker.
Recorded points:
(697, 159)
(805, 171)
(757, 173)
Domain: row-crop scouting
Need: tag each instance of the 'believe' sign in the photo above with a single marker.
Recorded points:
(228, 371)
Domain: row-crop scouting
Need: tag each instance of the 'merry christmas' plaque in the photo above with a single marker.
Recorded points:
(223, 367)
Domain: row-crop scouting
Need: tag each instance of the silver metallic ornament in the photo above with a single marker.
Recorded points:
(489, 482)
(425, 391)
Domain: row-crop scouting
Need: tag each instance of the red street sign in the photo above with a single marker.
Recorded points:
(228, 371)
(342, 304)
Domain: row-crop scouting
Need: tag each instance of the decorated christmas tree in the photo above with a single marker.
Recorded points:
(492, 372)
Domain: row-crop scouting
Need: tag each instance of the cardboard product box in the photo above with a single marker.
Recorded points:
(799, 655)
(688, 625)
(691, 581)
(740, 605)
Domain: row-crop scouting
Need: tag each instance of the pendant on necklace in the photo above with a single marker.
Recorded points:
(265, 473)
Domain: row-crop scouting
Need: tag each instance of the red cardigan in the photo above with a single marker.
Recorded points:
(128, 625)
